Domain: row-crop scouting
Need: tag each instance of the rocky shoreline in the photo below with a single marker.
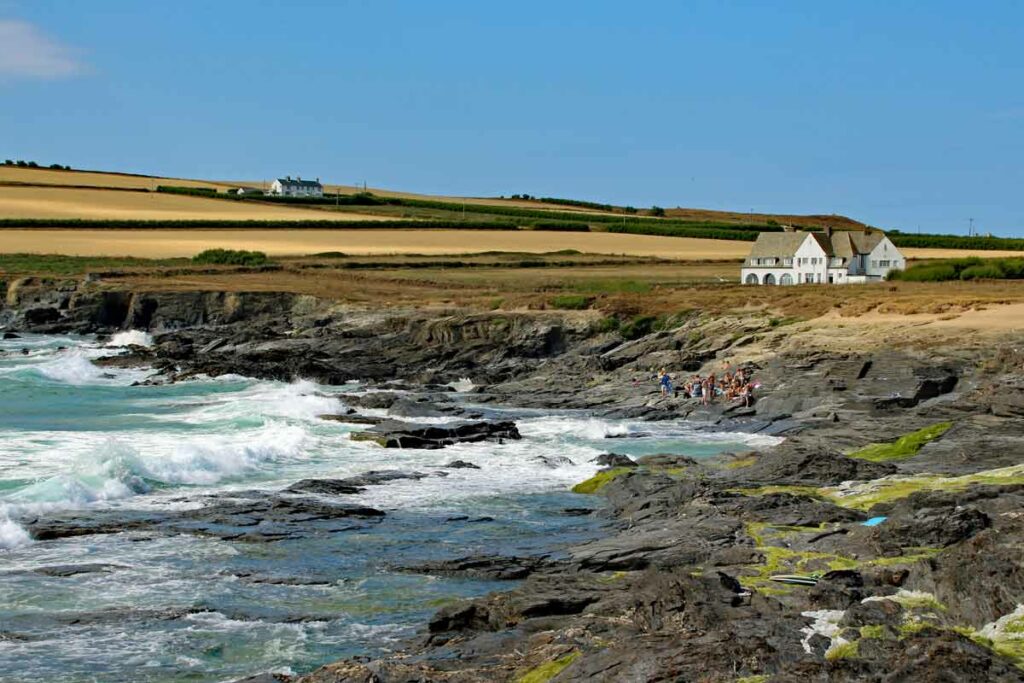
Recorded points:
(681, 587)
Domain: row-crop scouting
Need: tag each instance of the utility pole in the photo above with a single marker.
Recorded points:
(970, 227)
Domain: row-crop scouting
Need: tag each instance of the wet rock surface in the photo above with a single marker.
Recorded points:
(681, 586)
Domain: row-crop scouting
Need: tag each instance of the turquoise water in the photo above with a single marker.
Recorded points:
(179, 607)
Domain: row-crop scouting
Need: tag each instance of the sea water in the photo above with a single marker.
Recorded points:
(77, 437)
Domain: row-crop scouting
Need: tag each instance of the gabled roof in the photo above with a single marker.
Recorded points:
(844, 244)
(823, 241)
(777, 244)
(295, 182)
(865, 242)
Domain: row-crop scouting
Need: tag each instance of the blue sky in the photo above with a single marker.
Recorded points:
(902, 114)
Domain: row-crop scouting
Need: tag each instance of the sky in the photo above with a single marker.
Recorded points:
(905, 115)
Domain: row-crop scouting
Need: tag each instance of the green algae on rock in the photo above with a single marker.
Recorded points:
(904, 447)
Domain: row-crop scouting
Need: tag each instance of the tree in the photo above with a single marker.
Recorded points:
(657, 211)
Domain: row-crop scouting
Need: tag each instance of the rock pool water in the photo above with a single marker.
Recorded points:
(155, 606)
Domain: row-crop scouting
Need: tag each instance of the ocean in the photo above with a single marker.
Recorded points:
(158, 604)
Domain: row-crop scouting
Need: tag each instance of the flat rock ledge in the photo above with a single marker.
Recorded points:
(397, 434)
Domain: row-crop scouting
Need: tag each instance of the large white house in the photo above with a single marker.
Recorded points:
(840, 257)
(296, 187)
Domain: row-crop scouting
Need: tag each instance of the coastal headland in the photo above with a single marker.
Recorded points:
(879, 541)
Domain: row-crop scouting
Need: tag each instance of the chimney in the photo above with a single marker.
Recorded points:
(788, 228)
(828, 231)
(287, 177)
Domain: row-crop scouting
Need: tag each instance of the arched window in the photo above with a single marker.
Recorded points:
(786, 279)
(751, 279)
(769, 279)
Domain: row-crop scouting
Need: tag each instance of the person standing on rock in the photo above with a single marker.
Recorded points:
(665, 380)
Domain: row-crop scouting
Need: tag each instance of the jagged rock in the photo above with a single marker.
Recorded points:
(394, 434)
(331, 487)
(553, 461)
(461, 465)
(491, 567)
(614, 460)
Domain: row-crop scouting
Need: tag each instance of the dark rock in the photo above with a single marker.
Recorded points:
(330, 487)
(813, 464)
(394, 434)
(490, 567)
(11, 335)
(552, 461)
(461, 465)
(614, 460)
(65, 570)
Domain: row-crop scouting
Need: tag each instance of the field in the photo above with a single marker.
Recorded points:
(46, 176)
(154, 243)
(158, 243)
(60, 202)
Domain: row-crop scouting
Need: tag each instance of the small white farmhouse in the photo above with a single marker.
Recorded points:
(841, 257)
(296, 187)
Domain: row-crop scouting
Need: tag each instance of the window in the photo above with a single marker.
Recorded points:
(808, 278)
(786, 279)
(751, 279)
(883, 264)
(769, 279)
(787, 261)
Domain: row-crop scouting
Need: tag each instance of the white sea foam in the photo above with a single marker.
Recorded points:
(12, 535)
(73, 367)
(464, 385)
(131, 338)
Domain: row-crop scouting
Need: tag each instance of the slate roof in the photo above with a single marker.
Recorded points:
(844, 244)
(777, 244)
(295, 182)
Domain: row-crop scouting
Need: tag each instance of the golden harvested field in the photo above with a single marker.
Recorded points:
(46, 176)
(60, 202)
(160, 243)
(157, 243)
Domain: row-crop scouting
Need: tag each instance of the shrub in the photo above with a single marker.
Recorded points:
(8, 162)
(640, 326)
(560, 226)
(193, 191)
(234, 257)
(962, 269)
(657, 211)
(987, 271)
(571, 302)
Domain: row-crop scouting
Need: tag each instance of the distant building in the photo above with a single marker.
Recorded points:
(253, 191)
(841, 257)
(296, 187)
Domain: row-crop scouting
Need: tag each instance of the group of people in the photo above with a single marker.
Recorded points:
(732, 386)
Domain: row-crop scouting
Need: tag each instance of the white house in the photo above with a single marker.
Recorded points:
(841, 257)
(296, 187)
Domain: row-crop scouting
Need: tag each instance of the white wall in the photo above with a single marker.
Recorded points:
(883, 258)
(810, 259)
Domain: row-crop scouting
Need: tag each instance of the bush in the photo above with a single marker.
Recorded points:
(8, 162)
(641, 326)
(192, 191)
(234, 257)
(987, 271)
(560, 226)
(571, 302)
(657, 211)
(962, 269)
